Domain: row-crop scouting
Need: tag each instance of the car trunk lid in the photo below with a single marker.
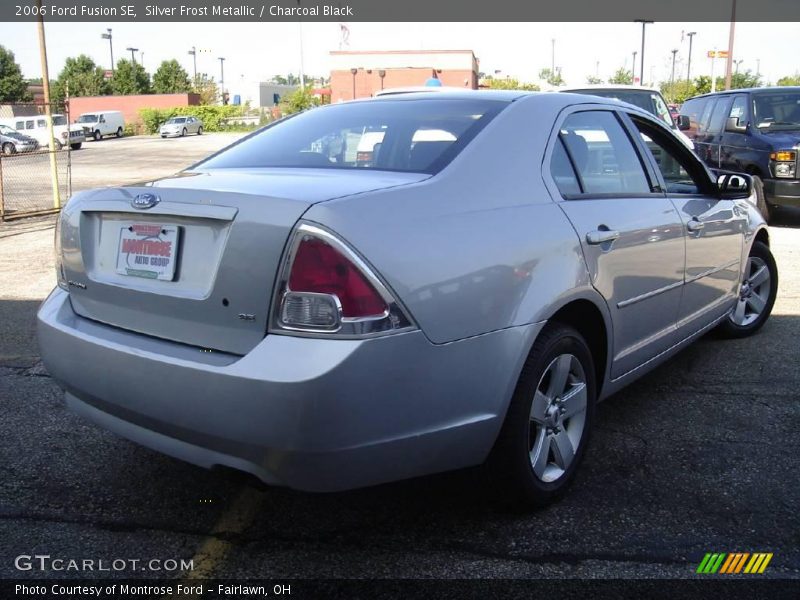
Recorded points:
(196, 265)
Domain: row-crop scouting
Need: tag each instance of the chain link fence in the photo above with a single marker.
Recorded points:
(26, 159)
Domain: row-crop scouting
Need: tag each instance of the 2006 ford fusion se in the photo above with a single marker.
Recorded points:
(387, 288)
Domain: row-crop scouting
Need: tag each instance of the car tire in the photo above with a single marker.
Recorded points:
(199, 131)
(183, 133)
(757, 293)
(761, 199)
(119, 132)
(9, 148)
(97, 136)
(75, 146)
(548, 422)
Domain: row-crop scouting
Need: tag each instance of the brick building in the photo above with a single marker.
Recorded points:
(399, 68)
(129, 105)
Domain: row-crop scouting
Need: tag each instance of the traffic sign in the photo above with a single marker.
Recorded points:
(718, 54)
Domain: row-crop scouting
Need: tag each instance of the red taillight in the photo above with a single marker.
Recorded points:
(319, 268)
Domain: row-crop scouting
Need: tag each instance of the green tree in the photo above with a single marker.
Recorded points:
(171, 78)
(12, 85)
(789, 80)
(512, 84)
(298, 100)
(702, 84)
(81, 77)
(206, 88)
(553, 78)
(130, 78)
(621, 77)
(745, 79)
(592, 80)
(679, 91)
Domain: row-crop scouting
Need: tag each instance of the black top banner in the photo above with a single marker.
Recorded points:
(398, 10)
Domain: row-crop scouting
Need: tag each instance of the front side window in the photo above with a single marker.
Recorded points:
(682, 174)
(395, 135)
(694, 110)
(720, 114)
(739, 109)
(603, 155)
(87, 119)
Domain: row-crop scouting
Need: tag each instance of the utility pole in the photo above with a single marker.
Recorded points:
(47, 108)
(644, 23)
(691, 34)
(107, 36)
(302, 69)
(672, 77)
(713, 79)
(728, 61)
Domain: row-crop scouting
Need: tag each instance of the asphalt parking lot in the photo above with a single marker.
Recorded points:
(701, 455)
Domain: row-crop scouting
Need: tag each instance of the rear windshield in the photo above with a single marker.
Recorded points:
(650, 101)
(389, 135)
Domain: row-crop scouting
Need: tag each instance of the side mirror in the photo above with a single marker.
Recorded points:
(732, 125)
(683, 123)
(734, 186)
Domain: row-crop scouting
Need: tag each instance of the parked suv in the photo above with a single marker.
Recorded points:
(756, 131)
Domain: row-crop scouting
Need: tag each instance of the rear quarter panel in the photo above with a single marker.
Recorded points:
(479, 247)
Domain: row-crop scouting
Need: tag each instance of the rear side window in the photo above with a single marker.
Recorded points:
(603, 155)
(392, 135)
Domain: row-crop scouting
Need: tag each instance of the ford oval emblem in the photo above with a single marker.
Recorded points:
(143, 201)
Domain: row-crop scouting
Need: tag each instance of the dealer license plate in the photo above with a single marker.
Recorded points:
(148, 250)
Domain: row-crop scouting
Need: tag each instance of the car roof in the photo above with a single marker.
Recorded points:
(610, 86)
(443, 93)
(752, 90)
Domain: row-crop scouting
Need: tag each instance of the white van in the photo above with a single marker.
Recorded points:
(36, 127)
(99, 124)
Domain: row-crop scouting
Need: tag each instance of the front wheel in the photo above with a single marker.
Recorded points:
(76, 146)
(199, 131)
(97, 135)
(9, 148)
(546, 429)
(757, 294)
(183, 133)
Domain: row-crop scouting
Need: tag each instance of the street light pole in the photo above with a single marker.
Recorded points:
(633, 67)
(107, 36)
(644, 23)
(738, 62)
(193, 53)
(672, 77)
(222, 78)
(553, 58)
(691, 35)
(353, 72)
(133, 56)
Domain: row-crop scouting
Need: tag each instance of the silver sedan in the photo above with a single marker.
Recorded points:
(502, 262)
(181, 127)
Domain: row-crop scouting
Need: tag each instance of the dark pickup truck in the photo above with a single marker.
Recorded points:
(755, 131)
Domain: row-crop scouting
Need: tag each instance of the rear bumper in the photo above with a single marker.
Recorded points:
(782, 192)
(317, 415)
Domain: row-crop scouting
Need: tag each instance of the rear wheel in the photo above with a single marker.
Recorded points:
(9, 148)
(119, 132)
(757, 294)
(546, 429)
(199, 131)
(97, 135)
(75, 146)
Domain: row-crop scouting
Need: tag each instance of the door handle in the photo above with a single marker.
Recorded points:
(695, 225)
(601, 236)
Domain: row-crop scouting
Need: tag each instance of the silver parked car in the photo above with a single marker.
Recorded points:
(324, 323)
(12, 141)
(181, 126)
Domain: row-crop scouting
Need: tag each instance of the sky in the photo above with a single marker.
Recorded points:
(257, 51)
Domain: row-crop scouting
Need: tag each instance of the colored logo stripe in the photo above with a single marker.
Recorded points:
(734, 562)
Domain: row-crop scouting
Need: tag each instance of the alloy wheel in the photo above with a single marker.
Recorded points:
(557, 417)
(753, 293)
